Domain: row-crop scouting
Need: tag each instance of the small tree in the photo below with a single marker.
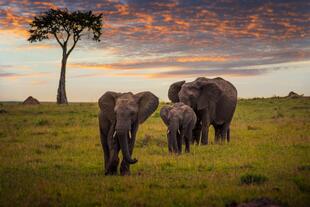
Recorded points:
(67, 28)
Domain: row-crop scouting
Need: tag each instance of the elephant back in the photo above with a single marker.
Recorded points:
(229, 90)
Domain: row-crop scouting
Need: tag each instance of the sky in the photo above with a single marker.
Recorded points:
(262, 47)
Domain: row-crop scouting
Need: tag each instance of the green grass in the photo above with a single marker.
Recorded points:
(51, 156)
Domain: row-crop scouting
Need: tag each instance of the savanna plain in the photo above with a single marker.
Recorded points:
(51, 155)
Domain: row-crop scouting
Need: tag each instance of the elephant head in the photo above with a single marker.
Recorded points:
(124, 110)
(197, 94)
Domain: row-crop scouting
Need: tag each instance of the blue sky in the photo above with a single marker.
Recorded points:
(262, 47)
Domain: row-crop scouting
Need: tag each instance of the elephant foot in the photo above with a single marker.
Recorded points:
(124, 169)
(204, 142)
(112, 170)
(109, 173)
(195, 141)
(125, 173)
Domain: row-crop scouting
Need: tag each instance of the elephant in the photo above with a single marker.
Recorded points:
(180, 120)
(214, 102)
(119, 118)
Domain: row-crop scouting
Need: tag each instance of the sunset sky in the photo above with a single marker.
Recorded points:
(262, 47)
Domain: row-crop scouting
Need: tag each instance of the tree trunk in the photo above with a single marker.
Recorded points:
(61, 94)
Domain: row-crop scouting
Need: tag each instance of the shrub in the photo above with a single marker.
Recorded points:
(42, 122)
(52, 146)
(253, 127)
(249, 179)
(304, 168)
(302, 184)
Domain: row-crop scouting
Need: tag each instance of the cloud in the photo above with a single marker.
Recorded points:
(11, 75)
(211, 73)
(8, 75)
(199, 72)
(181, 37)
(152, 63)
(134, 19)
(14, 67)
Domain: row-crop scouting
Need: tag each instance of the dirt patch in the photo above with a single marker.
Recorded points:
(259, 202)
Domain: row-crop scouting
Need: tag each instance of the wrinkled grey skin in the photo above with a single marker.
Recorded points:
(119, 118)
(180, 120)
(214, 102)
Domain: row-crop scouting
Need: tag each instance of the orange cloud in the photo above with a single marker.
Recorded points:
(14, 76)
(151, 63)
(46, 4)
(202, 59)
(122, 9)
(198, 73)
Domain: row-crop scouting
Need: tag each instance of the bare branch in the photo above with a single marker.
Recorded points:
(68, 36)
(73, 46)
(55, 35)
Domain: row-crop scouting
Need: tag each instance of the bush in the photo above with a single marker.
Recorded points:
(249, 179)
(42, 122)
(302, 184)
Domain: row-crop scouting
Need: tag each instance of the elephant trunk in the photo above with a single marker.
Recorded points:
(173, 130)
(170, 143)
(123, 141)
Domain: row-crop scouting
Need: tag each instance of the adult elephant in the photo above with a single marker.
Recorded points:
(214, 102)
(119, 118)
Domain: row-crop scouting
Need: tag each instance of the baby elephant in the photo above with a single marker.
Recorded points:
(180, 120)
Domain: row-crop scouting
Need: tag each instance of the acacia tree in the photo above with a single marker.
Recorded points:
(67, 28)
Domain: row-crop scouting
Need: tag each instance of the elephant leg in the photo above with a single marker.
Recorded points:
(179, 142)
(170, 144)
(188, 137)
(196, 132)
(204, 138)
(217, 133)
(103, 130)
(114, 160)
(125, 167)
(228, 134)
(224, 131)
(205, 129)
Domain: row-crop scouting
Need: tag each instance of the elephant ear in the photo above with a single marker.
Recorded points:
(209, 92)
(189, 116)
(107, 103)
(148, 103)
(164, 113)
(174, 90)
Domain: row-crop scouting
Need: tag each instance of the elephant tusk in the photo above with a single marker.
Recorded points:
(129, 134)
(168, 131)
(114, 133)
(179, 131)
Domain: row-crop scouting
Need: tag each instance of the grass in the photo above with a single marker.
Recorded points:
(51, 156)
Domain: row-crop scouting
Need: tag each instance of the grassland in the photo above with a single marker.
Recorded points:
(51, 156)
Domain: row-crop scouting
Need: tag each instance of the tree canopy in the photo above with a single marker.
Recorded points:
(63, 25)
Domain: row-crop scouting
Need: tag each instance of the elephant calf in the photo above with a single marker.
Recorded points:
(180, 120)
(119, 118)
